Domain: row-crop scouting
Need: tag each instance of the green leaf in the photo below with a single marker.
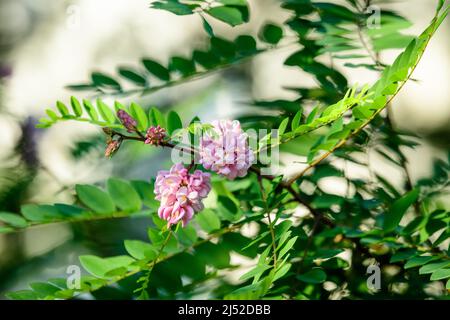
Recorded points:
(44, 289)
(156, 69)
(182, 65)
(157, 118)
(398, 209)
(245, 45)
(138, 113)
(62, 108)
(133, 76)
(90, 110)
(283, 126)
(440, 274)
(76, 106)
(23, 295)
(207, 27)
(140, 250)
(255, 272)
(402, 255)
(14, 220)
(431, 267)
(173, 6)
(271, 33)
(208, 220)
(187, 235)
(296, 121)
(145, 191)
(282, 271)
(102, 80)
(52, 114)
(94, 198)
(39, 213)
(173, 122)
(419, 261)
(99, 267)
(105, 112)
(214, 255)
(287, 247)
(316, 275)
(229, 15)
(251, 292)
(124, 195)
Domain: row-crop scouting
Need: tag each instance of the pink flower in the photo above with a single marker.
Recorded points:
(155, 135)
(226, 149)
(181, 193)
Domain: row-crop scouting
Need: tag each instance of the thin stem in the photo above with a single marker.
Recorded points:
(152, 266)
(195, 76)
(272, 233)
(369, 120)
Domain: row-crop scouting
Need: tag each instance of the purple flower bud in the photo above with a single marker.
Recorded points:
(128, 122)
(155, 135)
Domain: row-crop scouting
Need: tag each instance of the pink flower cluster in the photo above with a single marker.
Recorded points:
(225, 150)
(155, 135)
(181, 193)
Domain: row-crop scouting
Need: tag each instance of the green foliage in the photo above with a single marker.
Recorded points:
(378, 221)
(232, 12)
(122, 199)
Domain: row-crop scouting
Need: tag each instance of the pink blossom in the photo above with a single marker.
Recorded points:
(155, 135)
(225, 150)
(181, 193)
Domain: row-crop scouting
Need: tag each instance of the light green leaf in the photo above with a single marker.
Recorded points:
(140, 249)
(440, 274)
(105, 112)
(124, 195)
(208, 220)
(173, 122)
(138, 113)
(14, 220)
(431, 267)
(287, 247)
(156, 118)
(95, 199)
(90, 110)
(62, 108)
(76, 106)
(419, 261)
(99, 267)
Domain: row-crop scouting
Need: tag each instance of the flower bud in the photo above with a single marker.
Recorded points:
(128, 122)
(112, 147)
(155, 135)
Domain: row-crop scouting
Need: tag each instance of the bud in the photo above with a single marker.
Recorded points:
(107, 131)
(128, 122)
(112, 147)
(155, 135)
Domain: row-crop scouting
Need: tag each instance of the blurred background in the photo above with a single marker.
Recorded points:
(46, 45)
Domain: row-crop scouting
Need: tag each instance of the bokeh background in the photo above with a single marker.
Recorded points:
(46, 45)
